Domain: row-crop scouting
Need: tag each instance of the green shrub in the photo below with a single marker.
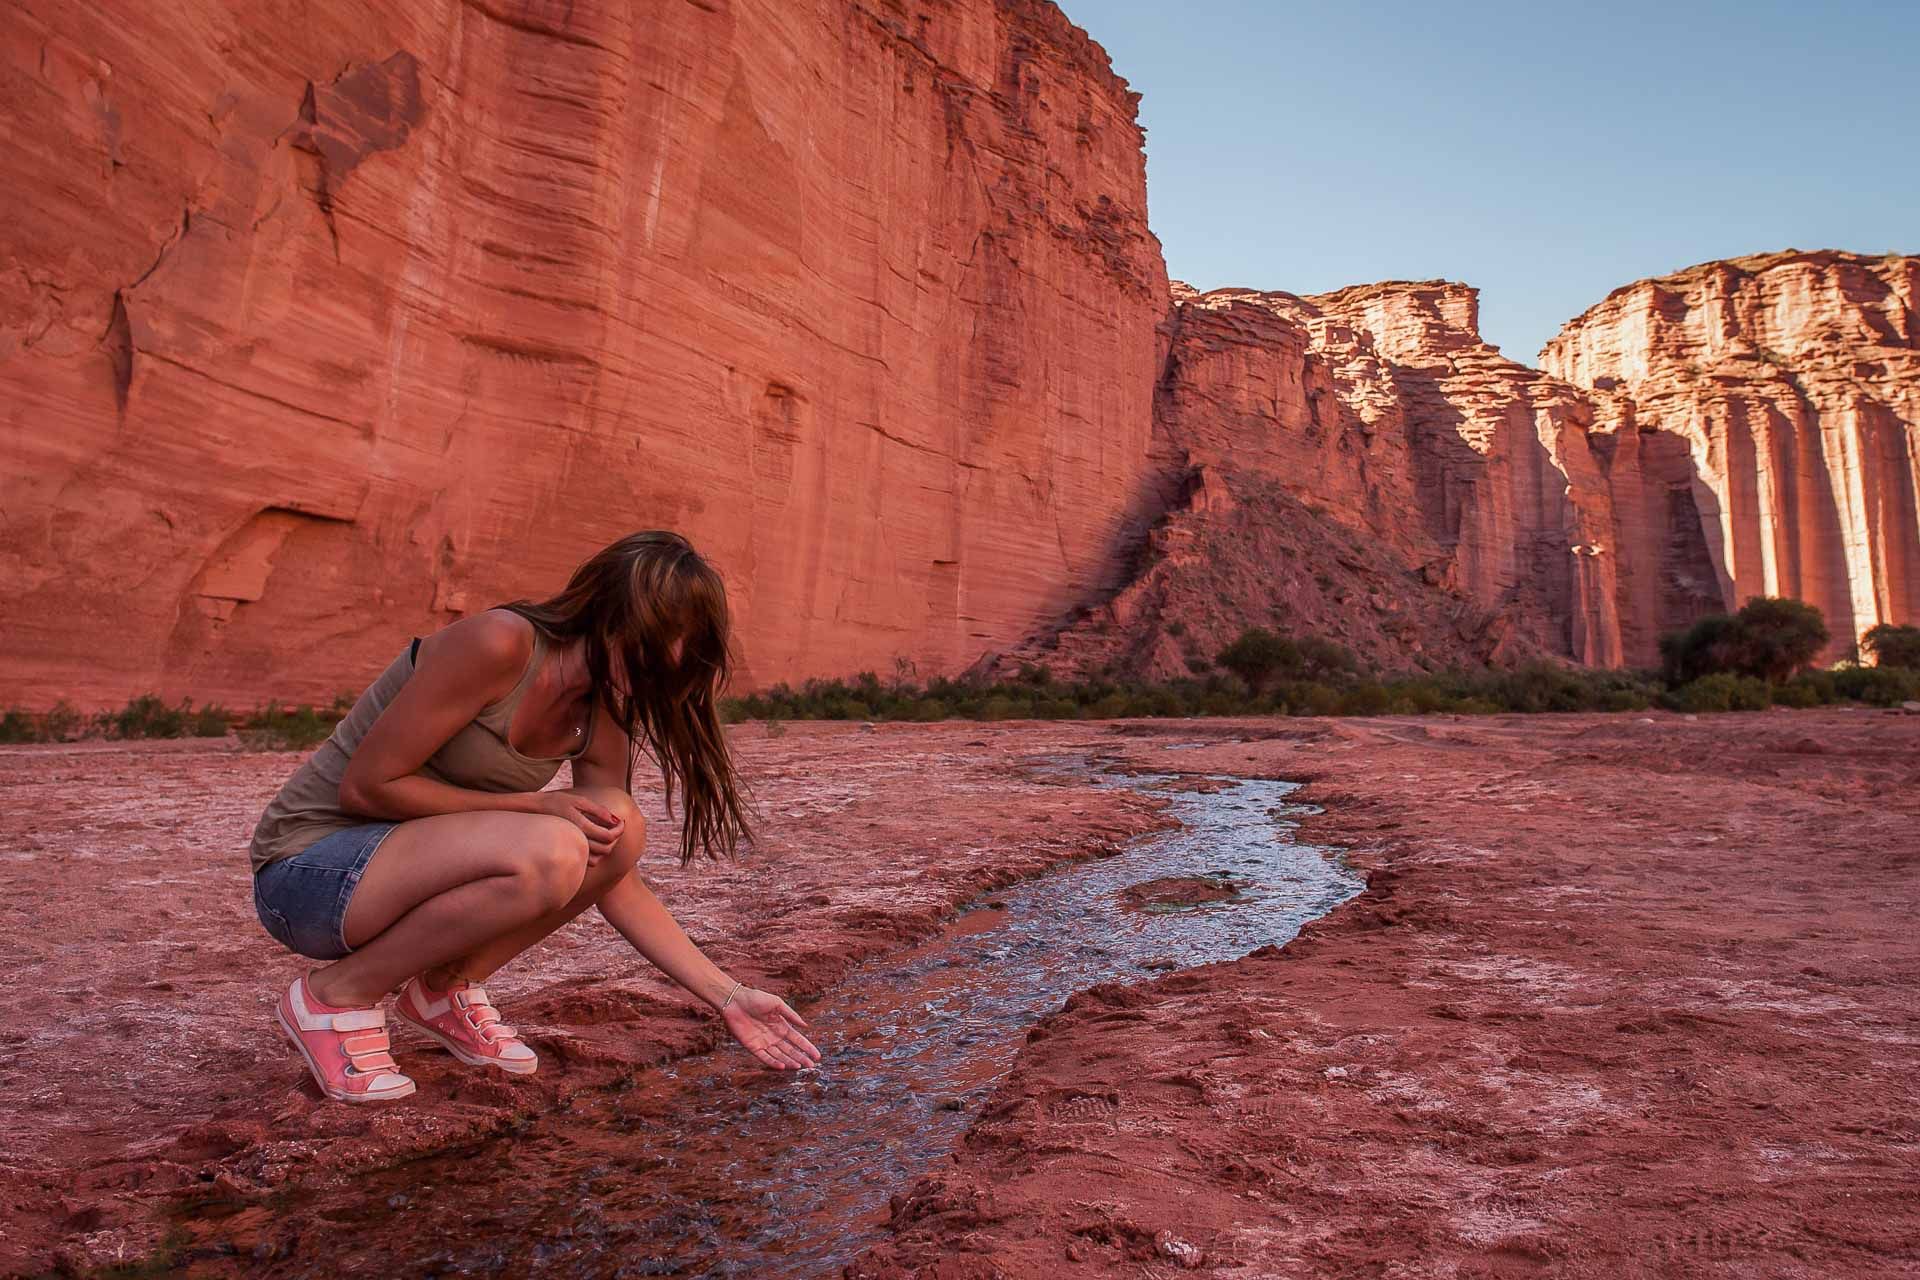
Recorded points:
(1422, 697)
(1893, 646)
(1259, 655)
(1769, 638)
(278, 728)
(1322, 659)
(1365, 700)
(147, 716)
(1222, 702)
(1812, 688)
(1311, 698)
(62, 723)
(1723, 691)
(1798, 692)
(1876, 686)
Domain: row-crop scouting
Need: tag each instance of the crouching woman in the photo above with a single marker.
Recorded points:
(416, 849)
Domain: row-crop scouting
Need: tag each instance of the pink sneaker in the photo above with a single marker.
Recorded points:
(465, 1023)
(346, 1049)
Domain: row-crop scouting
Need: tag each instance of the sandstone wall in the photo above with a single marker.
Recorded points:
(320, 325)
(1461, 481)
(1793, 380)
(1738, 429)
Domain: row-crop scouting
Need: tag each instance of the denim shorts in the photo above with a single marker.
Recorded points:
(302, 900)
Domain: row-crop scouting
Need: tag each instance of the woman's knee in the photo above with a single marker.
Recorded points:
(555, 863)
(634, 838)
(625, 854)
(615, 799)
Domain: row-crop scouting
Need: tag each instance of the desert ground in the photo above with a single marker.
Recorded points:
(1625, 995)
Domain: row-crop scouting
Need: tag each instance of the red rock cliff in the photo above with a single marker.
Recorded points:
(1470, 509)
(1793, 380)
(317, 333)
(1738, 429)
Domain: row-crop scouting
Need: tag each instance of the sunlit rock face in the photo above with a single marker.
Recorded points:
(1472, 517)
(318, 333)
(1742, 428)
(1794, 381)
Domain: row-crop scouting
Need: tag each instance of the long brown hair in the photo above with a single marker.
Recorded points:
(628, 602)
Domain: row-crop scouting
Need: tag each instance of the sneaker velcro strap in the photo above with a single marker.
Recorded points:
(360, 1020)
(367, 1064)
(477, 994)
(370, 1042)
(495, 1032)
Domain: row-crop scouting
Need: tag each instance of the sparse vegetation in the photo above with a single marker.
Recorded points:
(274, 728)
(1724, 691)
(1769, 639)
(1893, 646)
(149, 716)
(1261, 673)
(278, 728)
(1747, 661)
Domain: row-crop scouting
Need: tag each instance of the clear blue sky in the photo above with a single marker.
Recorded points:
(1546, 152)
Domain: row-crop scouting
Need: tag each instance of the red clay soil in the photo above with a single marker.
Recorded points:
(1625, 997)
(138, 1059)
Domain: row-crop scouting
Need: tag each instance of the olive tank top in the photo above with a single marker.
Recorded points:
(478, 757)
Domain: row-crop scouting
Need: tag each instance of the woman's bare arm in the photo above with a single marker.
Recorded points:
(476, 661)
(762, 1022)
(633, 909)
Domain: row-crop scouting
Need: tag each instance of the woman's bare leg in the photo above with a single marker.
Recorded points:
(485, 960)
(439, 887)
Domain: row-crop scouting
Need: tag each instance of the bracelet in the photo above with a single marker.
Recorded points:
(729, 1000)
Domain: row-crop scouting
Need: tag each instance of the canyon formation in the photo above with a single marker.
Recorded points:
(315, 335)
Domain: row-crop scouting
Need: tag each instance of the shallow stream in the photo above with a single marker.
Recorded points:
(690, 1174)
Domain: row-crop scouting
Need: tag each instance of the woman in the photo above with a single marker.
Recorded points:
(416, 848)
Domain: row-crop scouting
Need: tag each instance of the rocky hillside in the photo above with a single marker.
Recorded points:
(1359, 465)
(1737, 429)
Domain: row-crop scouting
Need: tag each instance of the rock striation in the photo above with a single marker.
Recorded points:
(1441, 504)
(317, 334)
(1792, 381)
(1741, 428)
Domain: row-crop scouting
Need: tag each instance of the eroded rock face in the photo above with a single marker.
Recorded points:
(1386, 479)
(1742, 428)
(314, 335)
(317, 334)
(1793, 380)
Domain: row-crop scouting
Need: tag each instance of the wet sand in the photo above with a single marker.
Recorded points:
(1626, 996)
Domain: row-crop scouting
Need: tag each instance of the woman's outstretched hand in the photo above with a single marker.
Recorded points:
(769, 1029)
